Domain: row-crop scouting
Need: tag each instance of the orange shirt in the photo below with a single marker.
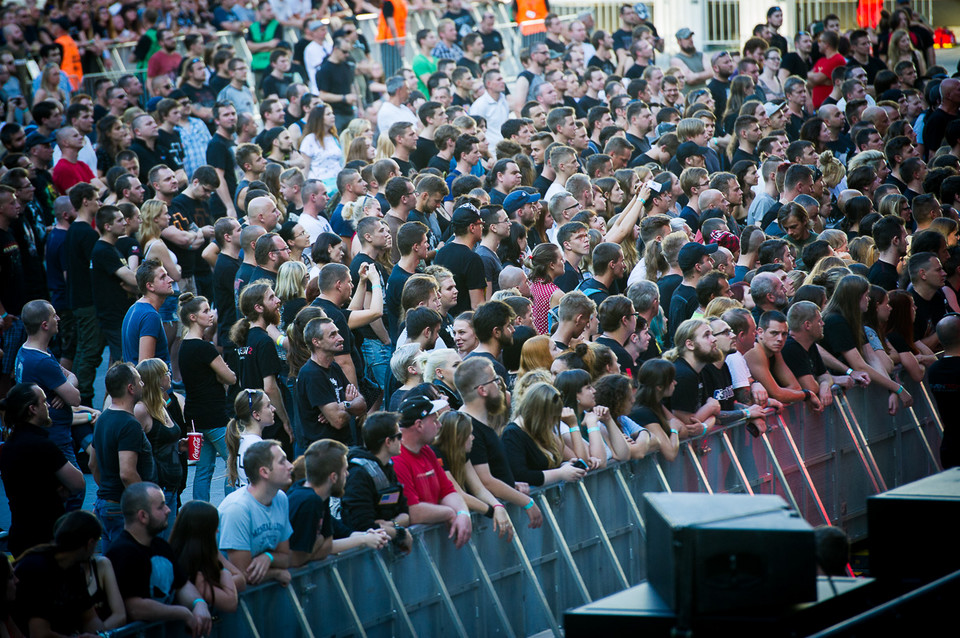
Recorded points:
(399, 20)
(71, 60)
(529, 10)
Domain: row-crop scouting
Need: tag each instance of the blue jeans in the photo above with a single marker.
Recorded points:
(111, 518)
(290, 400)
(214, 443)
(74, 502)
(170, 498)
(377, 358)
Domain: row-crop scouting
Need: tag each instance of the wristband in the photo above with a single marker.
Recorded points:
(270, 556)
(4, 316)
(528, 505)
(849, 371)
(704, 428)
(280, 341)
(89, 417)
(899, 390)
(673, 431)
(807, 394)
(746, 414)
(463, 513)
(501, 504)
(594, 429)
(198, 601)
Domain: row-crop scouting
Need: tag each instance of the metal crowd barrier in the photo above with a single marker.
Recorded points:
(591, 543)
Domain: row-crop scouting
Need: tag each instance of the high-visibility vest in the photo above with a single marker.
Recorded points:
(399, 20)
(531, 10)
(71, 61)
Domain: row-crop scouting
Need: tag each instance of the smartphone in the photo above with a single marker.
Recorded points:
(581, 464)
(656, 187)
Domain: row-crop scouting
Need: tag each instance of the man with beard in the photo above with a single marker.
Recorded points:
(768, 293)
(803, 358)
(314, 527)
(768, 367)
(618, 320)
(691, 62)
(277, 145)
(142, 335)
(149, 578)
(336, 291)
(255, 528)
(723, 68)
(493, 323)
(484, 401)
(718, 380)
(120, 454)
(325, 398)
(691, 402)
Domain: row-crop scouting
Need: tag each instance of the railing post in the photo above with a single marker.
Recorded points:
(631, 502)
(564, 548)
(923, 439)
(699, 468)
(392, 588)
(801, 464)
(934, 414)
(861, 444)
(535, 583)
(779, 472)
(346, 601)
(603, 534)
(442, 588)
(249, 618)
(302, 617)
(736, 462)
(488, 585)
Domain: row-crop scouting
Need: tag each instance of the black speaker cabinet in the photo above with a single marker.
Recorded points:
(912, 529)
(728, 552)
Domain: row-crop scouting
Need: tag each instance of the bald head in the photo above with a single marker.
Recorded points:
(63, 209)
(827, 111)
(846, 195)
(948, 332)
(64, 134)
(512, 277)
(712, 198)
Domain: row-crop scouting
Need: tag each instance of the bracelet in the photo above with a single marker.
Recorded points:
(501, 504)
(528, 505)
(270, 556)
(641, 200)
(674, 431)
(704, 428)
(593, 429)
(849, 371)
(746, 413)
(280, 341)
(899, 390)
(807, 394)
(463, 513)
(198, 601)
(4, 316)
(89, 417)
(376, 286)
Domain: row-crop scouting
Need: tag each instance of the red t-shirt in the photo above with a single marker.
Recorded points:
(163, 63)
(67, 174)
(422, 476)
(825, 66)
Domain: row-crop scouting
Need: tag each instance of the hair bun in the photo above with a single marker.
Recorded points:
(185, 297)
(581, 350)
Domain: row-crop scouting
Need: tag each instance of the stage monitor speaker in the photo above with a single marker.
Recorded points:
(728, 552)
(911, 529)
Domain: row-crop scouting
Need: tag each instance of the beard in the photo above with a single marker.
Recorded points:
(690, 50)
(494, 405)
(338, 487)
(156, 526)
(707, 356)
(272, 316)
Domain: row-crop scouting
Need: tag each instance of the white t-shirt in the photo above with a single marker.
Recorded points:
(246, 440)
(315, 226)
(739, 371)
(388, 115)
(325, 161)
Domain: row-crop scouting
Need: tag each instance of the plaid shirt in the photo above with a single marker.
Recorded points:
(443, 52)
(196, 136)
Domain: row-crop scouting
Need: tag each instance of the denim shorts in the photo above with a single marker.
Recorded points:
(168, 311)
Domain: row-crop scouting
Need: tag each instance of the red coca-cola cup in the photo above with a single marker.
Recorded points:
(195, 442)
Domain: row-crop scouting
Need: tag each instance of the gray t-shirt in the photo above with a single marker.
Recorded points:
(491, 265)
(242, 99)
(248, 525)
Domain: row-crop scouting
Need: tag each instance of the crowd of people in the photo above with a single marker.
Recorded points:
(402, 300)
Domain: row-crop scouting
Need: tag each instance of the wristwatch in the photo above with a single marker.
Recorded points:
(346, 405)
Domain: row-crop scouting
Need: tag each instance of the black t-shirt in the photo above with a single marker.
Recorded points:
(29, 462)
(467, 269)
(718, 89)
(149, 157)
(224, 278)
(51, 593)
(218, 83)
(683, 304)
(366, 331)
(244, 276)
(883, 274)
(109, 296)
(150, 572)
(929, 313)
(838, 337)
(170, 148)
(309, 516)
(718, 383)
(398, 277)
(803, 362)
(406, 168)
(487, 448)
(527, 460)
(273, 86)
(128, 247)
(934, 129)
(627, 364)
(667, 284)
(220, 155)
(187, 213)
(118, 431)
(204, 96)
(81, 238)
(437, 162)
(426, 149)
(796, 65)
(607, 66)
(622, 39)
(690, 392)
(498, 367)
(570, 278)
(341, 317)
(338, 79)
(944, 379)
(316, 387)
(258, 359)
(206, 404)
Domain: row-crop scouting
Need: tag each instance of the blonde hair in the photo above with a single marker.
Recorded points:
(540, 409)
(832, 169)
(355, 211)
(893, 49)
(719, 305)
(290, 283)
(890, 204)
(149, 212)
(430, 360)
(821, 267)
(385, 148)
(863, 250)
(836, 238)
(527, 381)
(152, 372)
(356, 128)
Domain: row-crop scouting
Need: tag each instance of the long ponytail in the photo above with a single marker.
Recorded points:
(247, 402)
(654, 260)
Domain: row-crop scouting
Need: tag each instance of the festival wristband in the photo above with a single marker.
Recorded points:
(899, 390)
(849, 371)
(528, 505)
(595, 429)
(501, 505)
(463, 513)
(270, 556)
(198, 601)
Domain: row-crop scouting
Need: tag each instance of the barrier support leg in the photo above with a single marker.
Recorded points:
(302, 617)
(564, 549)
(488, 585)
(442, 589)
(392, 588)
(923, 438)
(779, 472)
(249, 618)
(698, 466)
(663, 477)
(604, 538)
(538, 590)
(631, 502)
(860, 443)
(933, 406)
(736, 462)
(803, 470)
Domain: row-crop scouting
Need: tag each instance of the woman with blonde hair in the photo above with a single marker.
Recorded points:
(537, 353)
(832, 169)
(531, 442)
(820, 269)
(837, 240)
(291, 290)
(901, 48)
(438, 367)
(320, 147)
(385, 148)
(863, 251)
(254, 412)
(50, 86)
(895, 204)
(453, 444)
(154, 218)
(361, 149)
(358, 127)
(160, 414)
(719, 305)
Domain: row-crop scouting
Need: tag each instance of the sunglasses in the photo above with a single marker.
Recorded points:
(394, 437)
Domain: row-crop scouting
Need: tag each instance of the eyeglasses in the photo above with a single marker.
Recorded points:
(496, 380)
(394, 437)
(728, 331)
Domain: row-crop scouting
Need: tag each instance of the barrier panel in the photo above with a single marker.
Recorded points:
(591, 543)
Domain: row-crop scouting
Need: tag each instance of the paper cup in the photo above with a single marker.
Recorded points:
(195, 440)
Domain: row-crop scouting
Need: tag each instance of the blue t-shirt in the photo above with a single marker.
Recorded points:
(42, 368)
(339, 225)
(246, 524)
(143, 320)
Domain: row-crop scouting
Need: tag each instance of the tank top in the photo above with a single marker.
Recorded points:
(541, 291)
(693, 62)
(165, 442)
(173, 256)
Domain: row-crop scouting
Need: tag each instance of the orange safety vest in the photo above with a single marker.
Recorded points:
(71, 61)
(531, 10)
(399, 21)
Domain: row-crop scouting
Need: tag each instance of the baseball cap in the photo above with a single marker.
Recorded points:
(464, 216)
(684, 33)
(665, 127)
(689, 149)
(726, 239)
(518, 199)
(692, 253)
(35, 139)
(770, 108)
(413, 408)
(892, 94)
